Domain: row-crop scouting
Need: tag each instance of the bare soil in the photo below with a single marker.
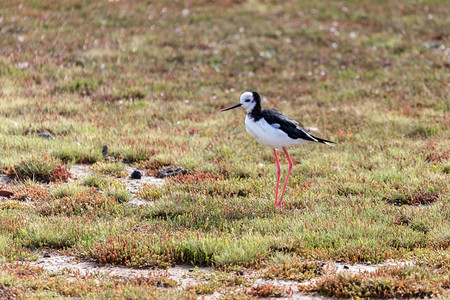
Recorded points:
(187, 275)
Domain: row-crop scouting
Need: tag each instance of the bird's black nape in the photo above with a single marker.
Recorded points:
(256, 111)
(256, 96)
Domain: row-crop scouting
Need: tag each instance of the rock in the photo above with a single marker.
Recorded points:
(45, 134)
(5, 193)
(239, 272)
(136, 175)
(171, 171)
(46, 255)
(104, 150)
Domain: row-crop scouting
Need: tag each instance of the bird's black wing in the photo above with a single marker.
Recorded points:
(286, 124)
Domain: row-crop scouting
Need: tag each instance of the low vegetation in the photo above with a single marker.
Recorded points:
(295, 269)
(147, 79)
(390, 282)
(43, 169)
(267, 290)
(221, 282)
(18, 280)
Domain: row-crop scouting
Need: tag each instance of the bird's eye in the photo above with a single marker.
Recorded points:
(247, 100)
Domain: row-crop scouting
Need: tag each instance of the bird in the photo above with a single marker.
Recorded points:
(274, 129)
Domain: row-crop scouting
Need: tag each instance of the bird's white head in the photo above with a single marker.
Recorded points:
(248, 100)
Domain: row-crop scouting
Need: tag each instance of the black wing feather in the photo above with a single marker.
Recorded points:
(288, 125)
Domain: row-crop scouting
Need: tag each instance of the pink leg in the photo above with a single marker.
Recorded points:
(278, 176)
(287, 177)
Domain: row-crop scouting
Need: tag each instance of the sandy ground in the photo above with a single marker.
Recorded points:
(187, 275)
(79, 171)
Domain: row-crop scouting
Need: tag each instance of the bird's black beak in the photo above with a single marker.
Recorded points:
(237, 105)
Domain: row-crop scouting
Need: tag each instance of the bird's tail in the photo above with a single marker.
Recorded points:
(326, 142)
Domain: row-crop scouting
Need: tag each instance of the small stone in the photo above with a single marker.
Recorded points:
(239, 272)
(171, 171)
(104, 150)
(45, 134)
(136, 174)
(346, 267)
(46, 255)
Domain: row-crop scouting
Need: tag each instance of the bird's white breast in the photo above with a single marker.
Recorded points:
(268, 135)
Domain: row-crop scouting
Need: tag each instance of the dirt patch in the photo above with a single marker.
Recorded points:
(80, 171)
(187, 275)
(358, 268)
(137, 202)
(133, 185)
(58, 263)
(55, 263)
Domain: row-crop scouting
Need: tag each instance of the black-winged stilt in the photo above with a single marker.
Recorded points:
(274, 129)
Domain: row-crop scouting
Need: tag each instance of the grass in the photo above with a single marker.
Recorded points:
(267, 290)
(150, 192)
(68, 190)
(112, 187)
(116, 169)
(44, 169)
(219, 281)
(385, 283)
(149, 79)
(293, 268)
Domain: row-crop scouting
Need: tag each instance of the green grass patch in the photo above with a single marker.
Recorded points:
(116, 169)
(40, 169)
